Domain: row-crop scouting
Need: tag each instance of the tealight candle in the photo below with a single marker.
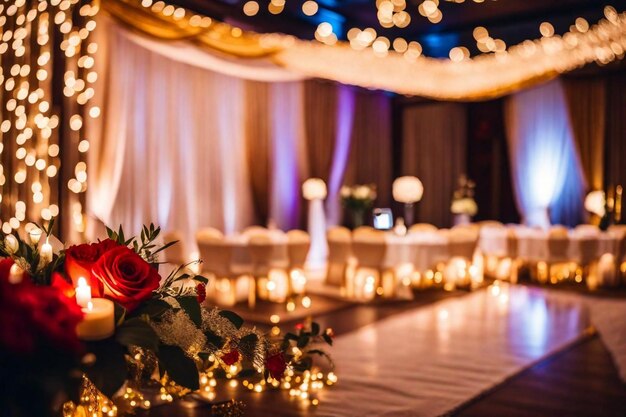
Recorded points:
(99, 320)
(35, 235)
(83, 292)
(46, 252)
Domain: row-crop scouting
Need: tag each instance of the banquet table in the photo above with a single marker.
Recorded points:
(423, 250)
(532, 245)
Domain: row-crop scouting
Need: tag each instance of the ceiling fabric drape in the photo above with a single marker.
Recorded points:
(274, 55)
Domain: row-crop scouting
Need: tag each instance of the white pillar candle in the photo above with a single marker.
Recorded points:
(46, 252)
(83, 292)
(99, 320)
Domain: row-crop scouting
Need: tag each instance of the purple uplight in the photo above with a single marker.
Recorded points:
(345, 119)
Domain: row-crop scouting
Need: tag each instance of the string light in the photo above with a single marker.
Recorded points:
(31, 125)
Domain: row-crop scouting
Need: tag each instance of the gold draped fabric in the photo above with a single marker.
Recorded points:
(320, 109)
(214, 35)
(258, 146)
(587, 108)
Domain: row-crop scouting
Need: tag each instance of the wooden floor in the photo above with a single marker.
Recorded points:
(579, 381)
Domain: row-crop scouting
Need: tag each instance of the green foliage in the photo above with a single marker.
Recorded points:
(191, 306)
(307, 340)
(137, 332)
(179, 367)
(145, 246)
(234, 318)
(108, 372)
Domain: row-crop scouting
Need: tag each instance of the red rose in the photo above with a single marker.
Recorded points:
(79, 259)
(125, 276)
(62, 285)
(201, 292)
(231, 357)
(37, 317)
(276, 365)
(5, 269)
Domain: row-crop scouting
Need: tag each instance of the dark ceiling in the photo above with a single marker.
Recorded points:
(510, 20)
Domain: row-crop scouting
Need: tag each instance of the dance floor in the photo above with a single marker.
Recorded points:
(439, 358)
(430, 361)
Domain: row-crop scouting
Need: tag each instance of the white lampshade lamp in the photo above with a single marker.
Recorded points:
(595, 203)
(408, 190)
(314, 190)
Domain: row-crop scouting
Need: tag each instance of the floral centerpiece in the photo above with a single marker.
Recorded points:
(358, 199)
(463, 203)
(96, 330)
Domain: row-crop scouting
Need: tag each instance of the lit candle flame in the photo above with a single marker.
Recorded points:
(89, 306)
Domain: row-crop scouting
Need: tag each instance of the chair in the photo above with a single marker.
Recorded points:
(489, 223)
(298, 244)
(369, 250)
(586, 230)
(558, 251)
(255, 231)
(217, 254)
(422, 227)
(339, 252)
(512, 245)
(175, 254)
(208, 233)
(462, 243)
(557, 230)
(472, 227)
(618, 232)
(364, 231)
(587, 255)
(262, 249)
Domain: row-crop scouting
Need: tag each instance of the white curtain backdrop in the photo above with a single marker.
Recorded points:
(172, 149)
(547, 176)
(171, 146)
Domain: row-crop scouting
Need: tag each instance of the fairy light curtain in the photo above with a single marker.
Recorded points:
(548, 180)
(46, 90)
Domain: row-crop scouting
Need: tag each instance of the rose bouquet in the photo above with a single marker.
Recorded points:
(95, 327)
(358, 199)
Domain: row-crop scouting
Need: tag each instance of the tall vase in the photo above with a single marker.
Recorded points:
(358, 217)
(461, 219)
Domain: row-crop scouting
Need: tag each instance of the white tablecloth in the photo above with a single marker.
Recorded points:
(423, 250)
(532, 244)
